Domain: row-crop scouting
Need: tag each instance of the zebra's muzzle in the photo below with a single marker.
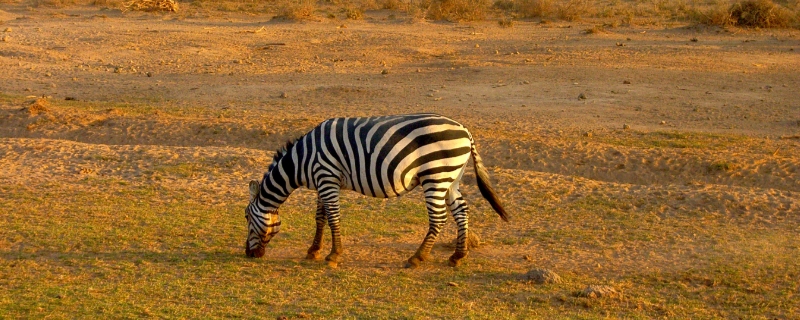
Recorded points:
(258, 252)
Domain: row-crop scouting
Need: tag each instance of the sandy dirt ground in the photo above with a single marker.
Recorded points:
(198, 102)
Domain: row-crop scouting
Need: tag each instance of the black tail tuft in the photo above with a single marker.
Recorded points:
(485, 186)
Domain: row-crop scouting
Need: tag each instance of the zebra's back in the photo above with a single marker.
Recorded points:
(390, 155)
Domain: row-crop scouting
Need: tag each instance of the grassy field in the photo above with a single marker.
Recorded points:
(100, 243)
(126, 249)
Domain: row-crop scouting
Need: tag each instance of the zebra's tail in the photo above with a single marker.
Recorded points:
(485, 186)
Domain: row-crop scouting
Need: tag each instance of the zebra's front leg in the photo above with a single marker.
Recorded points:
(458, 207)
(437, 215)
(331, 204)
(313, 251)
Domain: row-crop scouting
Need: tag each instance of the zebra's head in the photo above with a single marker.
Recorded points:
(261, 226)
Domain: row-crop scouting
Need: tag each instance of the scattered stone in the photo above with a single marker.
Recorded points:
(625, 126)
(48, 74)
(452, 284)
(662, 122)
(5, 38)
(620, 44)
(693, 40)
(542, 276)
(284, 95)
(587, 134)
(117, 70)
(599, 291)
(477, 45)
(385, 71)
(582, 96)
(430, 94)
(526, 82)
(626, 82)
(149, 74)
(7, 29)
(68, 98)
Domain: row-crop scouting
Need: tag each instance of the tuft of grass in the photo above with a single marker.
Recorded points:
(505, 22)
(535, 8)
(574, 10)
(353, 13)
(720, 166)
(296, 10)
(458, 10)
(749, 13)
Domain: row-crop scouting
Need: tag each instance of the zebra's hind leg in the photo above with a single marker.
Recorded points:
(437, 215)
(313, 251)
(458, 207)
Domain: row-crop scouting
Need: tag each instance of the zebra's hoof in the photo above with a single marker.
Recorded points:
(332, 258)
(413, 262)
(455, 259)
(453, 263)
(312, 256)
(332, 264)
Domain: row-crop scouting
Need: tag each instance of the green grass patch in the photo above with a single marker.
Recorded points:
(672, 139)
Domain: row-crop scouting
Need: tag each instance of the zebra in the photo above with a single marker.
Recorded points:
(381, 157)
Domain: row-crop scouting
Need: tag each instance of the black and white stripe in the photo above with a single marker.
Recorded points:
(379, 157)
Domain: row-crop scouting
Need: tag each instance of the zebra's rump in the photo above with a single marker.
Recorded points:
(388, 156)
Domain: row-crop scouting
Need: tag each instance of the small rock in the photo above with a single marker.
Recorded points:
(625, 126)
(5, 38)
(693, 40)
(149, 74)
(7, 29)
(620, 44)
(587, 134)
(626, 82)
(599, 291)
(68, 98)
(284, 95)
(541, 276)
(452, 284)
(282, 318)
(526, 82)
(385, 71)
(477, 45)
(48, 74)
(582, 96)
(117, 70)
(430, 94)
(662, 122)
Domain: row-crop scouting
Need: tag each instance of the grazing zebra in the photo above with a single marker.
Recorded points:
(380, 157)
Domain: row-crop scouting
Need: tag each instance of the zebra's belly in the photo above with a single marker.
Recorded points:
(399, 188)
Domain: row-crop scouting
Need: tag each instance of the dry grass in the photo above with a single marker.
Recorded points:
(296, 10)
(750, 13)
(457, 10)
(151, 5)
(744, 13)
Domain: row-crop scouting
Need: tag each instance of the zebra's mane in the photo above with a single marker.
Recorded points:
(280, 152)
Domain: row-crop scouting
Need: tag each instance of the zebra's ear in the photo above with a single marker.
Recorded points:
(253, 189)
